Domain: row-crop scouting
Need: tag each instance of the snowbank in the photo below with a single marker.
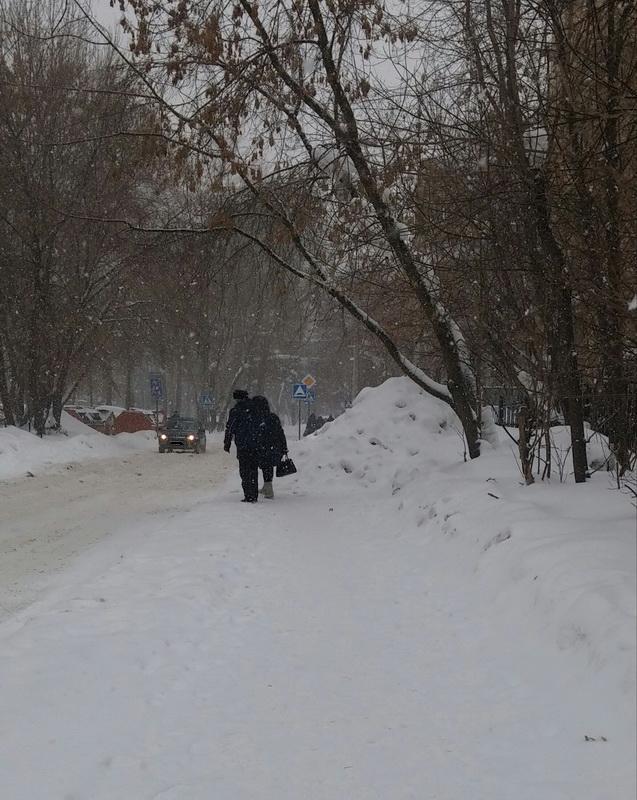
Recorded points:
(556, 557)
(389, 435)
(22, 452)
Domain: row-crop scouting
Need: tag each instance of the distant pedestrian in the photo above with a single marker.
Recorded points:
(272, 444)
(310, 425)
(242, 427)
(315, 423)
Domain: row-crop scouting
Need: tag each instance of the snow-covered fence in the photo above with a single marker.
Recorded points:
(505, 402)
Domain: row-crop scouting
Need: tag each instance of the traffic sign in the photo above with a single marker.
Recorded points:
(310, 396)
(156, 386)
(206, 399)
(309, 381)
(299, 391)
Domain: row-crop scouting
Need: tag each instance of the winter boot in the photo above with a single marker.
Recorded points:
(268, 491)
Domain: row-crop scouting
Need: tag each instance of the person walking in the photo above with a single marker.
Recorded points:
(272, 444)
(240, 395)
(242, 426)
(310, 425)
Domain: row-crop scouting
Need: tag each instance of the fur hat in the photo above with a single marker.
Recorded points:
(239, 394)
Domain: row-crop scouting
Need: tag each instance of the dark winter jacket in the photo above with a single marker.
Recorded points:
(242, 427)
(272, 444)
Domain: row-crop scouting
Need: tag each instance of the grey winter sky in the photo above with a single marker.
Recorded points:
(102, 12)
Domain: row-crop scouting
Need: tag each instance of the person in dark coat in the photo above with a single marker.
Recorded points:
(314, 424)
(240, 395)
(310, 425)
(272, 444)
(242, 426)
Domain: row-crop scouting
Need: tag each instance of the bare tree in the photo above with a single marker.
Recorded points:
(270, 97)
(60, 274)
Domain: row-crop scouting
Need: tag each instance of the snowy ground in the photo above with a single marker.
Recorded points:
(394, 625)
(22, 452)
(47, 520)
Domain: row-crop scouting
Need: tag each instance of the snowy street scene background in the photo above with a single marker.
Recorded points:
(318, 400)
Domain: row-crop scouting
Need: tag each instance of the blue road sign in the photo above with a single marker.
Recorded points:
(206, 399)
(310, 396)
(299, 391)
(156, 387)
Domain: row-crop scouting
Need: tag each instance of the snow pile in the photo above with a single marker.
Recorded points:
(388, 436)
(22, 452)
(557, 557)
(72, 426)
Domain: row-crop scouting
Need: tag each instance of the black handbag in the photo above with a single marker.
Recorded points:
(285, 467)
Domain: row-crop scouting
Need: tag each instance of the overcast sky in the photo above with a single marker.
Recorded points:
(103, 13)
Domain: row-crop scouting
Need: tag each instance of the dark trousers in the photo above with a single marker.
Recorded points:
(249, 472)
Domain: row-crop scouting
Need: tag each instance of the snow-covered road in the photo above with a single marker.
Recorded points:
(283, 651)
(395, 625)
(48, 519)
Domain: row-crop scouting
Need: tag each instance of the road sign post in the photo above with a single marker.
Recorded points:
(299, 392)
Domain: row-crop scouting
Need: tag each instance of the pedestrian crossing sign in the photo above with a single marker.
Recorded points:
(299, 391)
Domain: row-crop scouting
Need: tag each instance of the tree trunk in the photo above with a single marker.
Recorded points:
(570, 383)
(614, 308)
(129, 399)
(525, 428)
(108, 380)
(5, 397)
(178, 385)
(565, 362)
(465, 406)
(57, 407)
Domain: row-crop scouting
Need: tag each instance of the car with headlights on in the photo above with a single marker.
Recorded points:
(184, 434)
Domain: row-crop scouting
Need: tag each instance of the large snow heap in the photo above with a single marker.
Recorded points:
(558, 557)
(390, 435)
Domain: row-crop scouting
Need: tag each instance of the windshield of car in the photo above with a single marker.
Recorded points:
(186, 424)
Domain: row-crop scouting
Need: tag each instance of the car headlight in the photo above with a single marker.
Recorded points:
(163, 436)
(191, 437)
